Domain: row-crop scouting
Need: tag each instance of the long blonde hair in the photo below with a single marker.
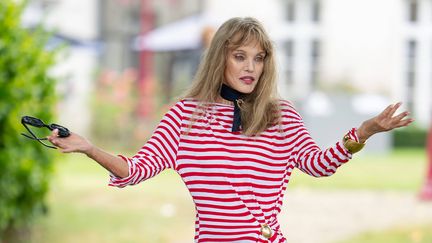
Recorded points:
(259, 109)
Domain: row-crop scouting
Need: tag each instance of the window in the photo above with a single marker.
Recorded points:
(411, 72)
(290, 10)
(316, 11)
(289, 51)
(413, 7)
(314, 65)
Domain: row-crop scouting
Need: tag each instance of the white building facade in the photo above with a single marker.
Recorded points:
(376, 47)
(382, 47)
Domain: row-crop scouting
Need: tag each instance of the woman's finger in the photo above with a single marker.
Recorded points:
(387, 110)
(67, 150)
(404, 122)
(394, 109)
(53, 134)
(401, 116)
(55, 142)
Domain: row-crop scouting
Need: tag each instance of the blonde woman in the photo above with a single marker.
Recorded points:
(233, 142)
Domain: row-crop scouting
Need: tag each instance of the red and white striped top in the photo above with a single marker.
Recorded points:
(237, 182)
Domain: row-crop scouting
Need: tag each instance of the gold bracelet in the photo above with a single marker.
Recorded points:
(351, 145)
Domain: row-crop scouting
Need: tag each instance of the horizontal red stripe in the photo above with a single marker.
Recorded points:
(227, 159)
(236, 167)
(234, 184)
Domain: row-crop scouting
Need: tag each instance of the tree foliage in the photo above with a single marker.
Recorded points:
(26, 88)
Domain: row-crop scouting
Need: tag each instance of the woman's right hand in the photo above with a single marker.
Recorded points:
(72, 143)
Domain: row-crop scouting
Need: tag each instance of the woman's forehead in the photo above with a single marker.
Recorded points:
(251, 45)
(247, 39)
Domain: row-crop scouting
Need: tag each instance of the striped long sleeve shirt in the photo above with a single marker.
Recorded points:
(237, 182)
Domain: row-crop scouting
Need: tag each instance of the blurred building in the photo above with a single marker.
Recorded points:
(363, 54)
(371, 47)
(377, 48)
(381, 48)
(99, 36)
(75, 24)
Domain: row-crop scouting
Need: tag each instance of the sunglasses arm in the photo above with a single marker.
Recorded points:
(33, 137)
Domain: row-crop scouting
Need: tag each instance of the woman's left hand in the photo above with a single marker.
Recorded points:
(385, 121)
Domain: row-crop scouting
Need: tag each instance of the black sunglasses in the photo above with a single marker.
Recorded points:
(36, 122)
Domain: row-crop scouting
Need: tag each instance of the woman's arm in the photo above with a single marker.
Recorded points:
(78, 144)
(316, 162)
(157, 154)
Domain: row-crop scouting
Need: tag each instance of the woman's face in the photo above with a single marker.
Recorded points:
(244, 67)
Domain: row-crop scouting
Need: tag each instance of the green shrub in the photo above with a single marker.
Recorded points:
(410, 137)
(25, 89)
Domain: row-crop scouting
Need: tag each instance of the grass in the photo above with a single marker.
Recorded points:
(402, 170)
(83, 209)
(409, 234)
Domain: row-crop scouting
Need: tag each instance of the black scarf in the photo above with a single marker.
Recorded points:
(233, 95)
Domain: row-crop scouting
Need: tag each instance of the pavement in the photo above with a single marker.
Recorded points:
(315, 216)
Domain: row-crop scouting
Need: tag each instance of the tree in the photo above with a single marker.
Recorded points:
(26, 88)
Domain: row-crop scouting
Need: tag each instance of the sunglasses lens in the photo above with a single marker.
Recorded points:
(63, 131)
(32, 121)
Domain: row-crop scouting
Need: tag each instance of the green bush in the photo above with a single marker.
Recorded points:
(25, 89)
(410, 137)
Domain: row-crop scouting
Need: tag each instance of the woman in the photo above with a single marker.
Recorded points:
(233, 142)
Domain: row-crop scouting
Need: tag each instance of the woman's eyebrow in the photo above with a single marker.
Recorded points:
(243, 51)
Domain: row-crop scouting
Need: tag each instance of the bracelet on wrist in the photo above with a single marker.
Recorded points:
(351, 145)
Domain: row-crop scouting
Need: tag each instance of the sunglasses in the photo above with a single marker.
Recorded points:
(36, 122)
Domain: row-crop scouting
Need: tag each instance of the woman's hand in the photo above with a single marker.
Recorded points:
(72, 143)
(385, 121)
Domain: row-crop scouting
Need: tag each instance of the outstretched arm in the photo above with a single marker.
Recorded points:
(78, 144)
(157, 154)
(316, 162)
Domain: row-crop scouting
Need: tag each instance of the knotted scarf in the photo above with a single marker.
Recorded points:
(235, 96)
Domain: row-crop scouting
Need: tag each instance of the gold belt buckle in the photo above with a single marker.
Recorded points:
(266, 231)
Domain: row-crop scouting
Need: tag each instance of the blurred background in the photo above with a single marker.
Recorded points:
(120, 64)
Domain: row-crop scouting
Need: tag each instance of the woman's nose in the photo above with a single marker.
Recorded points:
(250, 66)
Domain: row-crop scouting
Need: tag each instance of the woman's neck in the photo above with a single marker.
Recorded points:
(224, 101)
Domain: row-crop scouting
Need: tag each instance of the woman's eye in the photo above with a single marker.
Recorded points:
(259, 59)
(239, 57)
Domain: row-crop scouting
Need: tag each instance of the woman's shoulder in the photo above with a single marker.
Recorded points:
(188, 100)
(201, 104)
(288, 109)
(187, 103)
(191, 105)
(285, 105)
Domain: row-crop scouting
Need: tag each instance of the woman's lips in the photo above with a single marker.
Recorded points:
(247, 79)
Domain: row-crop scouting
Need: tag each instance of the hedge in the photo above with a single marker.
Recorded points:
(25, 89)
(410, 137)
